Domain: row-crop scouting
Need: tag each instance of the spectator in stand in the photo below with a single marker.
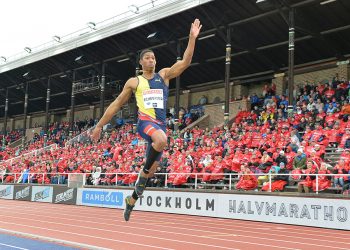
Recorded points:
(319, 105)
(294, 141)
(247, 179)
(265, 90)
(272, 90)
(340, 168)
(299, 161)
(158, 180)
(328, 92)
(346, 107)
(187, 136)
(266, 163)
(306, 180)
(311, 105)
(345, 140)
(339, 92)
(281, 158)
(278, 182)
(331, 108)
(283, 101)
(324, 181)
(254, 100)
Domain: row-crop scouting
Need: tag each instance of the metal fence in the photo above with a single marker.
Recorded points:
(83, 137)
(25, 156)
(65, 178)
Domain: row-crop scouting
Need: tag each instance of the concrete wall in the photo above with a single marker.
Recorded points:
(38, 120)
(216, 111)
(316, 76)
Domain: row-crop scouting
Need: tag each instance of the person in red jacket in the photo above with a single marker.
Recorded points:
(247, 179)
(266, 163)
(340, 168)
(345, 140)
(181, 174)
(217, 169)
(335, 134)
(208, 164)
(317, 135)
(306, 182)
(290, 157)
(324, 181)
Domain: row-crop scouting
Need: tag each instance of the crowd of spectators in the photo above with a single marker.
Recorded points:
(271, 138)
(13, 136)
(186, 116)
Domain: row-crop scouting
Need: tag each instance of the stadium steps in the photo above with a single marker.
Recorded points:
(202, 122)
(332, 156)
(16, 144)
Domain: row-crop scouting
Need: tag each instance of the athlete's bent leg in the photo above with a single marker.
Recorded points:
(159, 142)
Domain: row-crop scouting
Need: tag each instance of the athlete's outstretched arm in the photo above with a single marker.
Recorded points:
(113, 108)
(180, 66)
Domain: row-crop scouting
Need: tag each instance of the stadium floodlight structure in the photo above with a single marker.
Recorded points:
(134, 9)
(123, 60)
(4, 59)
(28, 50)
(327, 2)
(80, 59)
(91, 25)
(57, 39)
(206, 37)
(26, 75)
(86, 85)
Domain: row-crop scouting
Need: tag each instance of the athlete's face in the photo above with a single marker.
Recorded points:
(148, 61)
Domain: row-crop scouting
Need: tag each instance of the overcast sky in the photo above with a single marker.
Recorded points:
(29, 23)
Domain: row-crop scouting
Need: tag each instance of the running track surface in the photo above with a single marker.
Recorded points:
(103, 228)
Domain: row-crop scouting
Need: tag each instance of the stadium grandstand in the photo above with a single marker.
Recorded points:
(261, 115)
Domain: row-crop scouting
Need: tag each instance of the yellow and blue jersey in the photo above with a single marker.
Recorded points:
(152, 99)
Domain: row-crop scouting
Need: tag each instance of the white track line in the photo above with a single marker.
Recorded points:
(114, 231)
(53, 240)
(84, 235)
(2, 244)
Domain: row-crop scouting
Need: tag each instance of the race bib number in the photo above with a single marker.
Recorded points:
(153, 98)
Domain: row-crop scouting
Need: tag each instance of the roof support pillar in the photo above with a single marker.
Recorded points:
(227, 77)
(5, 119)
(102, 90)
(291, 57)
(25, 113)
(47, 118)
(71, 120)
(177, 90)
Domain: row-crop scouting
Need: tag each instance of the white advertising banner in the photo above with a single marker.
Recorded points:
(319, 212)
(42, 193)
(6, 192)
(205, 204)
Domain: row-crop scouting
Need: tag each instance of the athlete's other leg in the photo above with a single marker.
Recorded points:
(154, 153)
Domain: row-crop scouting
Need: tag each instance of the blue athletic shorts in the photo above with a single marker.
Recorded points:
(146, 129)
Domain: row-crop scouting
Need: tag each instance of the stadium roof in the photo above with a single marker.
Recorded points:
(259, 47)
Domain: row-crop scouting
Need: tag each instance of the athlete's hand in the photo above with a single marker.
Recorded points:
(96, 134)
(195, 28)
